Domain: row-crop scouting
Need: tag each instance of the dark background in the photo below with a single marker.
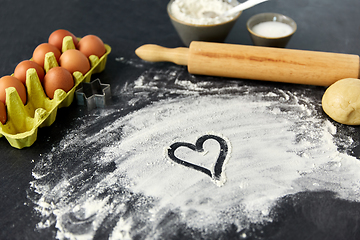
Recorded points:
(323, 25)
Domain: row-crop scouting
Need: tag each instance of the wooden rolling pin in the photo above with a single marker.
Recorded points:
(257, 63)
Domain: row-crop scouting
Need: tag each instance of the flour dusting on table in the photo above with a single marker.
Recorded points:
(129, 188)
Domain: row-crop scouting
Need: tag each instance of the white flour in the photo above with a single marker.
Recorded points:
(129, 188)
(191, 11)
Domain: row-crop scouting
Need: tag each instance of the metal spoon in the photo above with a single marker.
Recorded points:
(236, 9)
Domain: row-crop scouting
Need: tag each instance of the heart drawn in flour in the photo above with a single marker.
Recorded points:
(216, 172)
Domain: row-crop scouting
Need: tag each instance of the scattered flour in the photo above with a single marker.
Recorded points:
(116, 180)
(191, 11)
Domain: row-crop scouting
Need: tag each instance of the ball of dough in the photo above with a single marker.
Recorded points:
(341, 101)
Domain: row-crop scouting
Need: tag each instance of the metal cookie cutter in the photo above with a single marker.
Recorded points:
(93, 94)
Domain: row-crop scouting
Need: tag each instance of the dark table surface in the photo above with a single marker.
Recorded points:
(323, 25)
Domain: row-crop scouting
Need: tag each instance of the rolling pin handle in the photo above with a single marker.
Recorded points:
(155, 53)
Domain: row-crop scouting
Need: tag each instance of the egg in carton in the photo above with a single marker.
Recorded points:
(23, 121)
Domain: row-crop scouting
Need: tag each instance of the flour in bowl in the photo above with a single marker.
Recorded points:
(191, 11)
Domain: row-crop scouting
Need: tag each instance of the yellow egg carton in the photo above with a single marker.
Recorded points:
(23, 121)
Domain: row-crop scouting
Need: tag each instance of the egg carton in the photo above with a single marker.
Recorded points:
(23, 121)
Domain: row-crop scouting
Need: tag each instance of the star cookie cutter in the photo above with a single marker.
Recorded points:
(93, 94)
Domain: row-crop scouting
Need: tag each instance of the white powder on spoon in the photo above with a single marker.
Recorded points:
(129, 188)
(192, 11)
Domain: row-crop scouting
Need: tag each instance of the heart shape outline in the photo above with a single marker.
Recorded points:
(199, 147)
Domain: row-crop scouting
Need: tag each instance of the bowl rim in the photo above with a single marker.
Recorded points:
(294, 27)
(199, 25)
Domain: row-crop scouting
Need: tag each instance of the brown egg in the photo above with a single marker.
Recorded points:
(57, 78)
(56, 38)
(22, 67)
(41, 50)
(10, 81)
(91, 45)
(3, 116)
(74, 60)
